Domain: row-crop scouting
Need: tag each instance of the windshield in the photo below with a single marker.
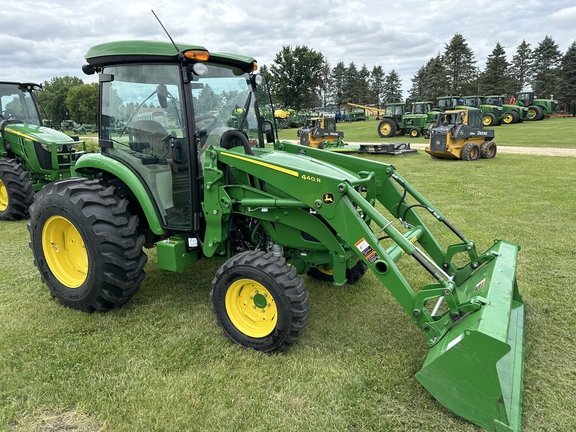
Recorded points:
(223, 100)
(16, 104)
(493, 100)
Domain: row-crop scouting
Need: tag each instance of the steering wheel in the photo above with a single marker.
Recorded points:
(207, 117)
(8, 114)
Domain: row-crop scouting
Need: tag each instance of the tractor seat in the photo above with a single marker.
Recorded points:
(152, 132)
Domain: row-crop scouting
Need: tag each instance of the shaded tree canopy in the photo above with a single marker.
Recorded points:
(496, 77)
(296, 76)
(53, 97)
(460, 65)
(546, 79)
(82, 103)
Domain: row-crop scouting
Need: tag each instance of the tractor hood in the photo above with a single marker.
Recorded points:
(40, 134)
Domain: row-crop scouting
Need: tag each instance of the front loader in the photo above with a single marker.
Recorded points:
(202, 187)
(31, 155)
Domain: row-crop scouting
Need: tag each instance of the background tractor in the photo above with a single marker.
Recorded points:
(459, 134)
(512, 112)
(493, 115)
(320, 132)
(395, 121)
(538, 109)
(31, 155)
(202, 187)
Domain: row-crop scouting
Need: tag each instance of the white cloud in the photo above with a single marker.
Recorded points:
(41, 40)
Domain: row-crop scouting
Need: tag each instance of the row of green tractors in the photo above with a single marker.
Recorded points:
(198, 186)
(496, 109)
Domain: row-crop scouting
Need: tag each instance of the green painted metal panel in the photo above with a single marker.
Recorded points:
(91, 162)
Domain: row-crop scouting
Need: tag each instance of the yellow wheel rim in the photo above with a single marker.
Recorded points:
(328, 272)
(65, 252)
(3, 196)
(486, 120)
(508, 119)
(251, 308)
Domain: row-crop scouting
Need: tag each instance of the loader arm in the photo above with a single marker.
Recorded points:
(475, 365)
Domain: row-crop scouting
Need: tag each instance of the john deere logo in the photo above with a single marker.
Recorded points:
(328, 198)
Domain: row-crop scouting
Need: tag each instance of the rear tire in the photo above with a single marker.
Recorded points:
(16, 192)
(259, 301)
(471, 152)
(387, 128)
(488, 150)
(86, 245)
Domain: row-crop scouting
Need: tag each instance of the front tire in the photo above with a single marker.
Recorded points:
(414, 132)
(259, 301)
(511, 117)
(86, 245)
(16, 192)
(489, 119)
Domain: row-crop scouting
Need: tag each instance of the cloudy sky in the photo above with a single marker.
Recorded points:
(40, 40)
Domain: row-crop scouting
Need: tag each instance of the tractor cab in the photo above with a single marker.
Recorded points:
(394, 110)
(158, 118)
(17, 104)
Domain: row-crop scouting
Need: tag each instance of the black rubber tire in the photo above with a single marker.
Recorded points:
(539, 112)
(488, 150)
(414, 132)
(280, 281)
(471, 152)
(16, 194)
(534, 113)
(353, 274)
(511, 117)
(111, 243)
(387, 128)
(489, 119)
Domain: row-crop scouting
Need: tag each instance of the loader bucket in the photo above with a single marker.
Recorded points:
(477, 368)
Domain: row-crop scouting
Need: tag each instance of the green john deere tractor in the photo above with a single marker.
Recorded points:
(395, 122)
(538, 109)
(31, 155)
(200, 187)
(512, 112)
(493, 115)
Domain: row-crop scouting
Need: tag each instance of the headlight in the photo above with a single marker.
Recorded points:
(61, 148)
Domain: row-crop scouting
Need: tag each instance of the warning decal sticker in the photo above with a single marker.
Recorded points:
(366, 250)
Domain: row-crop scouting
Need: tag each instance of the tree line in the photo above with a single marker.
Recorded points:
(302, 78)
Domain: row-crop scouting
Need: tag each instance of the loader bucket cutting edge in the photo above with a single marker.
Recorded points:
(477, 369)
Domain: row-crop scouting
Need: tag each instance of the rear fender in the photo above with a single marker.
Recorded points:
(89, 163)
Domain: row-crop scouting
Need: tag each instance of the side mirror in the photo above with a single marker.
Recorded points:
(162, 95)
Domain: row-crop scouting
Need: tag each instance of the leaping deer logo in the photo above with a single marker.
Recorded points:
(328, 198)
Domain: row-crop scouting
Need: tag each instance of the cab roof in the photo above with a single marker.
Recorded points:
(134, 51)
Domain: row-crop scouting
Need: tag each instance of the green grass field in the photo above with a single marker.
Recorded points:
(160, 363)
(552, 132)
